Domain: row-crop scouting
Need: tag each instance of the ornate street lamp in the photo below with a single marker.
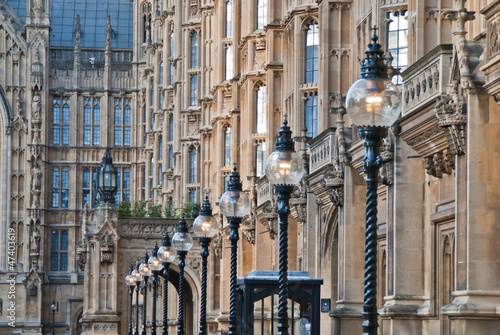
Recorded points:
(205, 227)
(106, 179)
(284, 169)
(137, 278)
(373, 103)
(166, 257)
(53, 308)
(156, 267)
(182, 242)
(234, 205)
(145, 272)
(130, 281)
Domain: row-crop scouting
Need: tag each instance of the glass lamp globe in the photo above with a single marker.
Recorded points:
(130, 280)
(137, 275)
(205, 226)
(165, 254)
(145, 270)
(154, 263)
(182, 241)
(373, 102)
(234, 204)
(284, 167)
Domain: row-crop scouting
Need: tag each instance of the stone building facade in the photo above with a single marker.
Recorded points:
(180, 90)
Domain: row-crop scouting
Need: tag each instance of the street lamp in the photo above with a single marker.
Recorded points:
(53, 308)
(106, 179)
(130, 281)
(166, 256)
(373, 103)
(234, 205)
(156, 267)
(284, 169)
(137, 278)
(145, 272)
(205, 227)
(182, 242)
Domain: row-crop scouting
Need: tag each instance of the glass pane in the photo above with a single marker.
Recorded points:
(403, 57)
(393, 40)
(64, 240)
(126, 179)
(65, 137)
(55, 135)
(97, 115)
(64, 261)
(64, 199)
(55, 198)
(403, 38)
(97, 135)
(118, 135)
(55, 240)
(54, 261)
(65, 178)
(55, 178)
(86, 115)
(86, 178)
(86, 135)
(126, 135)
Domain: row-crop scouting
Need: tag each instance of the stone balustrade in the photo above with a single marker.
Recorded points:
(426, 79)
(322, 150)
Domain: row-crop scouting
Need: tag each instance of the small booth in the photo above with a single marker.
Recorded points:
(258, 303)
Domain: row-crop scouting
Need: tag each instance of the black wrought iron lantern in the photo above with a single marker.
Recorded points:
(106, 179)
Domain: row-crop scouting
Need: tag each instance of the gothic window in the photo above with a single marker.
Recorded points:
(172, 69)
(89, 187)
(312, 42)
(192, 195)
(193, 96)
(60, 187)
(144, 123)
(59, 251)
(170, 142)
(159, 174)
(194, 50)
(60, 128)
(160, 95)
(122, 185)
(122, 122)
(151, 171)
(227, 146)
(160, 148)
(193, 166)
(226, 181)
(261, 13)
(152, 90)
(260, 160)
(143, 185)
(161, 69)
(171, 128)
(170, 157)
(229, 62)
(261, 119)
(91, 121)
(311, 114)
(171, 41)
(397, 42)
(229, 18)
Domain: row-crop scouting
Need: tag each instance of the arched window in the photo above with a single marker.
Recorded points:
(86, 187)
(311, 114)
(229, 18)
(193, 166)
(227, 146)
(172, 40)
(397, 42)
(60, 187)
(122, 122)
(161, 69)
(60, 129)
(260, 160)
(312, 42)
(59, 250)
(261, 13)
(261, 120)
(229, 62)
(193, 97)
(172, 72)
(171, 128)
(194, 50)
(160, 148)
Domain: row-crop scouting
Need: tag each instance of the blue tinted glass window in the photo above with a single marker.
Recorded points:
(193, 165)
(311, 115)
(194, 90)
(312, 42)
(194, 50)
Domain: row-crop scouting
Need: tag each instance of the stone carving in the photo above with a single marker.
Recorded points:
(107, 247)
(461, 16)
(36, 108)
(143, 230)
(81, 255)
(451, 112)
(35, 242)
(33, 290)
(217, 245)
(36, 175)
(105, 327)
(439, 163)
(436, 130)
(194, 7)
(386, 172)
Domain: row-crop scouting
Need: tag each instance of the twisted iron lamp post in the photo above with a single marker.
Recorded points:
(205, 227)
(156, 267)
(53, 308)
(166, 257)
(373, 103)
(284, 169)
(182, 242)
(130, 281)
(137, 278)
(234, 204)
(145, 272)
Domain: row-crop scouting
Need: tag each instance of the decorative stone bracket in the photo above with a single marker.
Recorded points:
(451, 113)
(439, 163)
